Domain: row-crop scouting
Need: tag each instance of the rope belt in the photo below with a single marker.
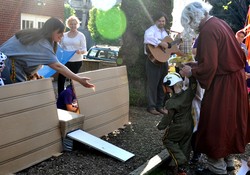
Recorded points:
(13, 71)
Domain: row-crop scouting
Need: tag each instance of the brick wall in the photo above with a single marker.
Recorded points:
(10, 14)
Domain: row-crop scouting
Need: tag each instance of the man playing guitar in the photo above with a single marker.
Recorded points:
(156, 70)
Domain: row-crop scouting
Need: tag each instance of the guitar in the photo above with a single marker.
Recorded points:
(160, 55)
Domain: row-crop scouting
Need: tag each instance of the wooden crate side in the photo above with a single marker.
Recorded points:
(31, 159)
(28, 146)
(28, 87)
(25, 124)
(107, 108)
(106, 117)
(29, 125)
(108, 128)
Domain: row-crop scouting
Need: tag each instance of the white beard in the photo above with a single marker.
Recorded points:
(192, 29)
(196, 22)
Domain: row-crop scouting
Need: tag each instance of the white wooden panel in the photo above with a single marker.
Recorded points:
(100, 145)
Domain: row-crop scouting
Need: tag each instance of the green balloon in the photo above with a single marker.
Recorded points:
(111, 24)
(119, 61)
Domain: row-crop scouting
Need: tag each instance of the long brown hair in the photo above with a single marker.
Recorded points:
(30, 36)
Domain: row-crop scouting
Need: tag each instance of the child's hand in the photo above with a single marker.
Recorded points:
(248, 162)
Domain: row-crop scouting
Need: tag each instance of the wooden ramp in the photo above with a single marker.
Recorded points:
(100, 145)
(106, 109)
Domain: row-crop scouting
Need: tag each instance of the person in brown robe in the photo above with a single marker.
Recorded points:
(224, 119)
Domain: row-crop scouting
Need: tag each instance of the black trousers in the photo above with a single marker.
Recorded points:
(74, 67)
(155, 74)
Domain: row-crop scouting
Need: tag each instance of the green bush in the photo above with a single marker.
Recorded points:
(137, 97)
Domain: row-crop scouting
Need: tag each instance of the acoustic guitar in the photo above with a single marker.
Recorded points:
(160, 55)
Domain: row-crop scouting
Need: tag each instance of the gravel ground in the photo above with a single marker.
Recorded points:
(140, 137)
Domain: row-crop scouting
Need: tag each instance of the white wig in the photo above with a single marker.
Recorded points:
(192, 14)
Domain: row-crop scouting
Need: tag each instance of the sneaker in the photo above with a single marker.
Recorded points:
(153, 111)
(206, 172)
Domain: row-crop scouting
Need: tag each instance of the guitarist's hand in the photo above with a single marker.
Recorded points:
(163, 44)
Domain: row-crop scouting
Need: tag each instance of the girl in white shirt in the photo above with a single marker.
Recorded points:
(73, 40)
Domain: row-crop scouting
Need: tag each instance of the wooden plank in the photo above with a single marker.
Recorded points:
(100, 145)
(150, 165)
(107, 108)
(12, 90)
(26, 123)
(107, 127)
(29, 125)
(106, 116)
(30, 159)
(30, 145)
(104, 101)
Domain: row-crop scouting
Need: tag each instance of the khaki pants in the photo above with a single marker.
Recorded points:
(219, 166)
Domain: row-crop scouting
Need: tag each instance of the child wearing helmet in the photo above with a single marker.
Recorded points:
(3, 57)
(179, 121)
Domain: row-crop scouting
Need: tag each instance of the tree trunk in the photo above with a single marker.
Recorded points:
(138, 14)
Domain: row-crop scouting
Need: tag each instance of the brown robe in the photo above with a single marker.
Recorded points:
(224, 119)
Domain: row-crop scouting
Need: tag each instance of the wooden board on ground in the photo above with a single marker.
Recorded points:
(101, 145)
(107, 108)
(29, 126)
(152, 164)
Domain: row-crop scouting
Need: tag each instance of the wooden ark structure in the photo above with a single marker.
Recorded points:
(32, 128)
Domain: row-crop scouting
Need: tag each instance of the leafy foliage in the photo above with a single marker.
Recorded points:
(234, 12)
(68, 11)
(139, 17)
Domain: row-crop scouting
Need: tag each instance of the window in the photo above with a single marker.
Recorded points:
(102, 54)
(32, 21)
(40, 24)
(27, 24)
(93, 52)
(111, 55)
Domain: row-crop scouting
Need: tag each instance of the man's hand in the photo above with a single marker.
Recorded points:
(186, 71)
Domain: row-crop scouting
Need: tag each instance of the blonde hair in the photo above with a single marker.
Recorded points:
(72, 18)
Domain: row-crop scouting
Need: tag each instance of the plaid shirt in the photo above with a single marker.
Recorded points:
(186, 46)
